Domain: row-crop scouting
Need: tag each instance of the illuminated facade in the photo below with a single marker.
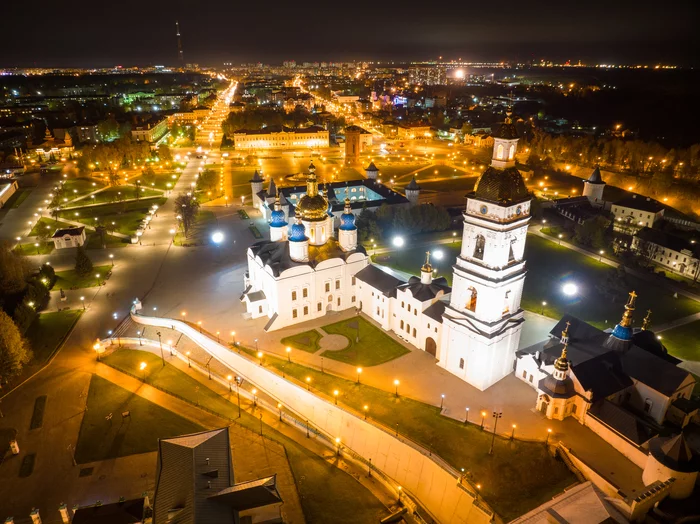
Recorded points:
(481, 326)
(303, 271)
(276, 137)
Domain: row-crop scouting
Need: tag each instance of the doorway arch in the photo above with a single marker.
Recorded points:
(431, 346)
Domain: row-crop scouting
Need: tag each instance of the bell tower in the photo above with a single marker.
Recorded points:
(482, 324)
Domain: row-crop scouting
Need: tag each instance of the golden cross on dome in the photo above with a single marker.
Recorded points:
(427, 257)
(565, 333)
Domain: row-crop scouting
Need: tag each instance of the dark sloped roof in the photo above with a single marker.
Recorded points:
(425, 292)
(371, 167)
(648, 341)
(578, 329)
(378, 279)
(256, 177)
(125, 512)
(501, 186)
(557, 388)
(667, 240)
(248, 495)
(72, 231)
(653, 371)
(622, 421)
(602, 375)
(641, 203)
(595, 177)
(674, 453)
(435, 310)
(413, 185)
(357, 129)
(276, 254)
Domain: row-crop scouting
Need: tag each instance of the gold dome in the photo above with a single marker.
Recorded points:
(312, 206)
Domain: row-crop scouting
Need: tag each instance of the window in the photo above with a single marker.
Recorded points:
(409, 308)
(305, 292)
(319, 307)
(531, 378)
(524, 374)
(461, 363)
(330, 298)
(353, 281)
(511, 152)
(402, 324)
(306, 310)
(377, 310)
(259, 309)
(573, 408)
(328, 287)
(471, 303)
(294, 313)
(403, 305)
(428, 325)
(352, 299)
(294, 295)
(499, 152)
(408, 328)
(479, 247)
(647, 405)
(338, 301)
(414, 332)
(415, 312)
(337, 284)
(556, 411)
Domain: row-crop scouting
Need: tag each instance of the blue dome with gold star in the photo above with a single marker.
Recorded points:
(347, 219)
(297, 233)
(277, 217)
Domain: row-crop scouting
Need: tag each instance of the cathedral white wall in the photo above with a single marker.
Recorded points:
(659, 402)
(526, 369)
(278, 233)
(484, 361)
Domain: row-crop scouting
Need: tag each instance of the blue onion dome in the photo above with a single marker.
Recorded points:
(621, 335)
(297, 233)
(347, 219)
(277, 218)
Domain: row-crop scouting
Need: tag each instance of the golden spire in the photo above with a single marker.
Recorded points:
(565, 333)
(562, 363)
(278, 206)
(427, 267)
(312, 182)
(629, 309)
(646, 323)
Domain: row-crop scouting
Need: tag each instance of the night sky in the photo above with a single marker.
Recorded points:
(84, 33)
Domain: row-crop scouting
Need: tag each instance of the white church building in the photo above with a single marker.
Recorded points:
(473, 329)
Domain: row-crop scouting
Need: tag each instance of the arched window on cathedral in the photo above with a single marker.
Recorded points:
(479, 247)
(499, 152)
(461, 363)
(471, 303)
(511, 152)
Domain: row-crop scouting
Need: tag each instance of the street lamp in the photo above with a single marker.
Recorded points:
(543, 305)
(233, 338)
(255, 398)
(359, 372)
(496, 416)
(111, 257)
(229, 377)
(396, 387)
(570, 289)
(260, 356)
(601, 253)
(161, 348)
(549, 432)
(442, 401)
(199, 323)
(337, 443)
(97, 349)
(366, 409)
(335, 394)
(289, 353)
(82, 300)
(466, 417)
(512, 433)
(142, 367)
(483, 416)
(97, 276)
(217, 336)
(308, 383)
(279, 406)
(189, 363)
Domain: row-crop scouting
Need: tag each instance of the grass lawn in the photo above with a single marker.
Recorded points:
(323, 488)
(164, 181)
(30, 249)
(549, 266)
(389, 171)
(306, 341)
(17, 198)
(114, 194)
(375, 347)
(100, 439)
(77, 187)
(516, 478)
(94, 241)
(48, 330)
(683, 341)
(69, 279)
(122, 217)
(48, 224)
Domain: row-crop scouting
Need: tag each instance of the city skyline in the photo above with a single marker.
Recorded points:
(623, 33)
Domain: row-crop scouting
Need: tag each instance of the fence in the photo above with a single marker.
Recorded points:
(436, 485)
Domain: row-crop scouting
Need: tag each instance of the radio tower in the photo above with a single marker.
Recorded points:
(180, 56)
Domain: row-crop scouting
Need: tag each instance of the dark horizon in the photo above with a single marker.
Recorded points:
(54, 34)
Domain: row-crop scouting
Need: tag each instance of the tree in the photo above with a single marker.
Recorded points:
(14, 271)
(206, 180)
(14, 351)
(164, 154)
(101, 232)
(137, 189)
(186, 207)
(83, 264)
(592, 232)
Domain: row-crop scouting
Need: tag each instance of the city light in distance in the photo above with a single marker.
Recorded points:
(398, 241)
